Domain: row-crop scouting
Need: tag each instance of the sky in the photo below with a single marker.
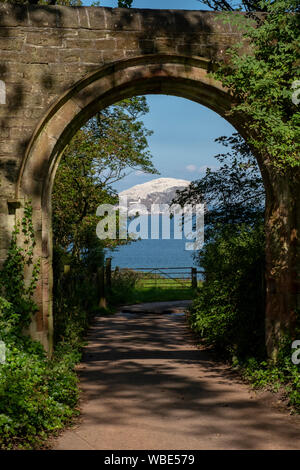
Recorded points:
(182, 144)
(156, 4)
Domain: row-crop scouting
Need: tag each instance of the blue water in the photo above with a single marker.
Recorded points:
(153, 254)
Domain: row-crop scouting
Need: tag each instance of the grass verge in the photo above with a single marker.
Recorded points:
(164, 290)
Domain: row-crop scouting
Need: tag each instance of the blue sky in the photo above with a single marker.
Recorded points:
(183, 141)
(159, 4)
(184, 132)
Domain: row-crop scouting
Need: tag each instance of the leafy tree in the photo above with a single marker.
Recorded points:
(233, 193)
(125, 3)
(233, 5)
(109, 146)
(229, 309)
(100, 154)
(261, 80)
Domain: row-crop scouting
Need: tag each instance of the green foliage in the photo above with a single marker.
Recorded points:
(234, 5)
(233, 193)
(229, 310)
(284, 376)
(131, 287)
(75, 295)
(157, 294)
(17, 293)
(125, 3)
(100, 154)
(260, 76)
(37, 395)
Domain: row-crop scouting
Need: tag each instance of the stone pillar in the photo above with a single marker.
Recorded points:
(282, 259)
(41, 328)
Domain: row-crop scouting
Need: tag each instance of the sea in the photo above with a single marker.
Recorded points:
(158, 253)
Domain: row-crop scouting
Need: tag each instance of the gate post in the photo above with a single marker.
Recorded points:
(194, 278)
(101, 287)
(108, 273)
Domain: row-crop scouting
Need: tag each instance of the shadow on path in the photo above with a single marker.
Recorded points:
(146, 386)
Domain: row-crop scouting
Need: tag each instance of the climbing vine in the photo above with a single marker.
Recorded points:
(38, 395)
(15, 290)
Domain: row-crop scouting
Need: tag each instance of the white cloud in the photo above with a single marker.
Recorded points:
(200, 169)
(191, 168)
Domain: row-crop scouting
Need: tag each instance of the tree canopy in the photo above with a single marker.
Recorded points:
(109, 146)
(261, 78)
(233, 5)
(232, 193)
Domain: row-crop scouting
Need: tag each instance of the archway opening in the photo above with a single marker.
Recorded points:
(159, 74)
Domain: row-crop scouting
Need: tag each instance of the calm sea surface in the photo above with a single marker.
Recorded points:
(153, 253)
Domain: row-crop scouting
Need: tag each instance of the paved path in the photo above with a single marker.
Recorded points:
(145, 385)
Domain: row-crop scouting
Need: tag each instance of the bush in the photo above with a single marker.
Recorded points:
(283, 376)
(123, 287)
(37, 395)
(229, 310)
(75, 295)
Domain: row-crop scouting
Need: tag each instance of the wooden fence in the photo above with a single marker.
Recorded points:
(148, 278)
(166, 277)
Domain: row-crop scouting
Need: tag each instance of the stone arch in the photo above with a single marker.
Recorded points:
(162, 74)
(187, 77)
(174, 75)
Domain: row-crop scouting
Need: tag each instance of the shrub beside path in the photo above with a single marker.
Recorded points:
(146, 385)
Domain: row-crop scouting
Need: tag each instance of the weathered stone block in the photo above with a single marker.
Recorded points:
(42, 38)
(44, 16)
(92, 34)
(110, 56)
(13, 15)
(122, 19)
(190, 49)
(126, 40)
(4, 133)
(68, 18)
(9, 44)
(147, 46)
(69, 56)
(158, 22)
(39, 55)
(97, 17)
